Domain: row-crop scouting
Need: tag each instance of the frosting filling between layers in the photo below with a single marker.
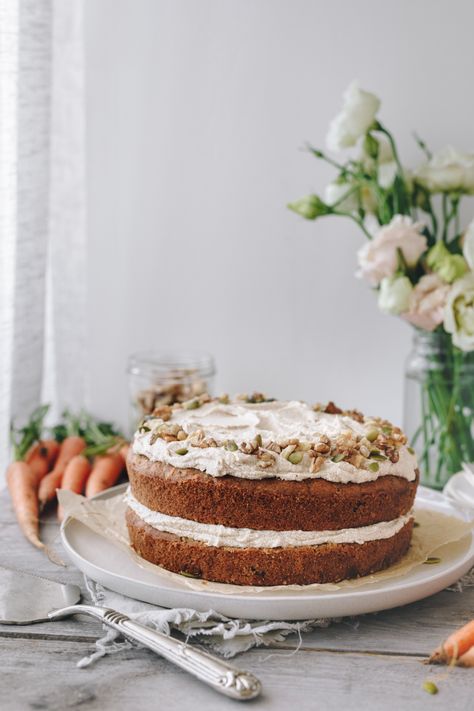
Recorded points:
(275, 421)
(218, 535)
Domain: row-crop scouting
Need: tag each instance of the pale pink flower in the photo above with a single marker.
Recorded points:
(379, 258)
(427, 302)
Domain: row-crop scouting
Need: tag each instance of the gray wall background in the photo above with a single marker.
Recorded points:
(196, 113)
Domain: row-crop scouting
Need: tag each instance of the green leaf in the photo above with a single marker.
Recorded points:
(24, 437)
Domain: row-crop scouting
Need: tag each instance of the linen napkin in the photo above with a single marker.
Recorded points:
(223, 635)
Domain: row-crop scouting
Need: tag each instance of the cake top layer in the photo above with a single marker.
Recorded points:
(255, 438)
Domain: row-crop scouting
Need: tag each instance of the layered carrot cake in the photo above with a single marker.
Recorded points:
(264, 492)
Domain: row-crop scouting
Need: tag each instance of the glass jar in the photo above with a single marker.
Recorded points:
(163, 378)
(439, 406)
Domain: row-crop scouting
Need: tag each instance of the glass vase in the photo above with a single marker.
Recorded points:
(439, 406)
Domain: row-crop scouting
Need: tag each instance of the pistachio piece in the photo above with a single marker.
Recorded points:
(185, 574)
(411, 450)
(295, 457)
(257, 440)
(430, 687)
(372, 435)
(373, 466)
(288, 450)
(230, 445)
(339, 457)
(191, 405)
(432, 560)
(181, 451)
(378, 456)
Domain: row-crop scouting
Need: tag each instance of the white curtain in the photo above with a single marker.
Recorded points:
(42, 209)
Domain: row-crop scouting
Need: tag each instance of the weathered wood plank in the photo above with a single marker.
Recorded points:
(308, 681)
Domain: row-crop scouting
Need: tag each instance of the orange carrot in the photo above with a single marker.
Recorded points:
(124, 450)
(42, 456)
(105, 472)
(22, 485)
(75, 476)
(467, 659)
(69, 448)
(456, 645)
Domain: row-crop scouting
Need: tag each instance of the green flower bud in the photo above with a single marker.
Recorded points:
(453, 267)
(371, 146)
(310, 207)
(448, 266)
(437, 255)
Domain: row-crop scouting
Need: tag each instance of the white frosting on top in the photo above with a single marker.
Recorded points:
(217, 535)
(273, 421)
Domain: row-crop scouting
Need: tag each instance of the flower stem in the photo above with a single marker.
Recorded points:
(393, 146)
(342, 168)
(357, 220)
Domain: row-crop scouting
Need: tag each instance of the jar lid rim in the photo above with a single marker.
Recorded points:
(163, 361)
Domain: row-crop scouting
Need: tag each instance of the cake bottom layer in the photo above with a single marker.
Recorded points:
(300, 565)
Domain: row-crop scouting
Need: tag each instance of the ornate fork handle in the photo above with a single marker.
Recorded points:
(218, 674)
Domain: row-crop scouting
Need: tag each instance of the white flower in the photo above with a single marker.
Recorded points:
(459, 312)
(385, 163)
(427, 302)
(394, 295)
(356, 117)
(336, 190)
(379, 258)
(386, 173)
(468, 245)
(448, 171)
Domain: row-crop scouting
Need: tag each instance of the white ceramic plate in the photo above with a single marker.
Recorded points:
(102, 561)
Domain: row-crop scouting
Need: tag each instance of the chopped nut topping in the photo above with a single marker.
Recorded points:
(274, 447)
(380, 442)
(265, 459)
(316, 464)
(332, 409)
(163, 412)
(322, 448)
(355, 415)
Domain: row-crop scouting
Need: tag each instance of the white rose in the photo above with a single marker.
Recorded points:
(448, 171)
(459, 312)
(427, 302)
(356, 117)
(468, 245)
(394, 295)
(379, 257)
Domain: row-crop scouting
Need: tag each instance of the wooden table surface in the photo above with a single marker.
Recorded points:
(372, 663)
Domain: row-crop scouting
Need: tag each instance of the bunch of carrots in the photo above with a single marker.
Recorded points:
(80, 454)
(457, 649)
